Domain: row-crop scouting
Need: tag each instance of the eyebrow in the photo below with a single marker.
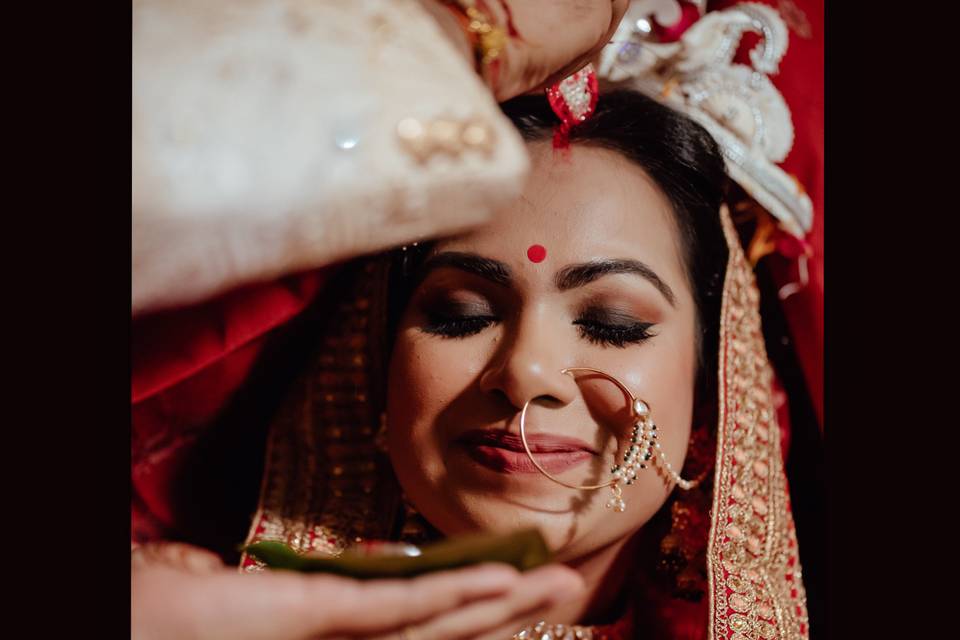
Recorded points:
(569, 277)
(577, 275)
(487, 268)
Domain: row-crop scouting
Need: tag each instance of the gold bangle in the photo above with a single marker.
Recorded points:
(488, 39)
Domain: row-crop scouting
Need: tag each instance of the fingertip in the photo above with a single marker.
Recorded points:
(573, 579)
(500, 567)
(565, 582)
(494, 575)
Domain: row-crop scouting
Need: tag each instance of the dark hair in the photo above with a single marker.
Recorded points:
(682, 159)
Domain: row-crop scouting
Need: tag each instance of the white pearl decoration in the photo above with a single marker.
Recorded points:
(638, 454)
(642, 450)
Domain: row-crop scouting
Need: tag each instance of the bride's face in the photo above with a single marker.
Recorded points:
(491, 325)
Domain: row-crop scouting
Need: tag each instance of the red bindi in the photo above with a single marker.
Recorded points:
(536, 253)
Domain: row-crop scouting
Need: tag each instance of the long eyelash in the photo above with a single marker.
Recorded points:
(595, 332)
(457, 326)
(613, 335)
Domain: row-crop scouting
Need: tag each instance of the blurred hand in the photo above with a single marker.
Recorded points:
(554, 40)
(179, 591)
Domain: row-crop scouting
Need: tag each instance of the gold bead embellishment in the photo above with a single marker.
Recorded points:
(488, 39)
(544, 631)
(441, 135)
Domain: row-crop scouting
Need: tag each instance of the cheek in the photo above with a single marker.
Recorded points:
(662, 374)
(409, 410)
(666, 383)
(411, 374)
(426, 375)
(414, 391)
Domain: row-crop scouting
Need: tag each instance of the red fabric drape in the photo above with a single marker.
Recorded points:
(186, 364)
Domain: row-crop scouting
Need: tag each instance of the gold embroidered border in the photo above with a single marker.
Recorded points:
(325, 484)
(753, 567)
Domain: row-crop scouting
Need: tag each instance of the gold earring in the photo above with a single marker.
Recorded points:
(637, 453)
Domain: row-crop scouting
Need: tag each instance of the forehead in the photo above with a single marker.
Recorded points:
(582, 204)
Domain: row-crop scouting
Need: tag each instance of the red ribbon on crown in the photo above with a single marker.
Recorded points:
(573, 99)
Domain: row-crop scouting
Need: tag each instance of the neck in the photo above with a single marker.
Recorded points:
(604, 573)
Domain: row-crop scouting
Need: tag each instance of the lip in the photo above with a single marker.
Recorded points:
(503, 451)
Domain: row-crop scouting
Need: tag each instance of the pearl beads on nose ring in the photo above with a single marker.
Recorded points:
(641, 450)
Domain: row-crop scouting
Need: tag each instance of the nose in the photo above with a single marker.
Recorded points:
(529, 364)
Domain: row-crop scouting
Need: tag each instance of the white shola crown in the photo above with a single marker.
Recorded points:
(736, 103)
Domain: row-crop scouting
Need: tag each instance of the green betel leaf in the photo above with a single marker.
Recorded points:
(275, 555)
(524, 550)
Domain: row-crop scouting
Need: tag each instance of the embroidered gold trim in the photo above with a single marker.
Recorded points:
(752, 563)
(325, 483)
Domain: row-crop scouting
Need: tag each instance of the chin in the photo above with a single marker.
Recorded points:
(564, 519)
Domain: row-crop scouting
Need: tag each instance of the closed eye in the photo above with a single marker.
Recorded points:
(614, 335)
(608, 326)
(450, 326)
